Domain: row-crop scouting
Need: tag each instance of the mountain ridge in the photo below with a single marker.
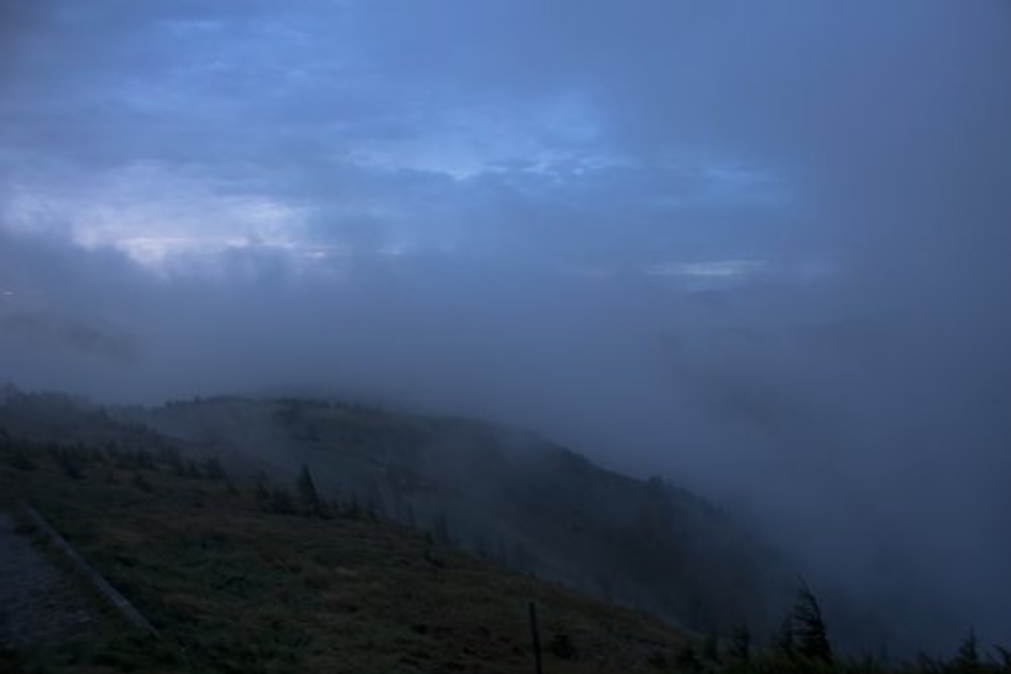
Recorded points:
(505, 493)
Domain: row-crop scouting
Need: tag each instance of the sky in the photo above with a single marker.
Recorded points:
(761, 247)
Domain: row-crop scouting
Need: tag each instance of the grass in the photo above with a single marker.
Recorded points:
(234, 588)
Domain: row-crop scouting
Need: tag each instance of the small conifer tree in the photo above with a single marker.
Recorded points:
(782, 640)
(967, 659)
(809, 627)
(214, 470)
(308, 494)
(1005, 658)
(740, 644)
(281, 502)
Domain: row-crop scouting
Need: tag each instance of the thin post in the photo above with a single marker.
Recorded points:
(536, 636)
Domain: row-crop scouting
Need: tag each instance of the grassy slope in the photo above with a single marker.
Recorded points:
(516, 496)
(494, 490)
(236, 589)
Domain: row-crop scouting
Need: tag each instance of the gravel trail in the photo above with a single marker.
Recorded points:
(39, 602)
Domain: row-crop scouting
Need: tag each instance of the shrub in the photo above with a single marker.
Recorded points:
(561, 646)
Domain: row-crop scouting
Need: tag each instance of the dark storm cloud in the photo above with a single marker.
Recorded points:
(761, 246)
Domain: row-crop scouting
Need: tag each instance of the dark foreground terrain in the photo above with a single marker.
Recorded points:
(244, 577)
(267, 572)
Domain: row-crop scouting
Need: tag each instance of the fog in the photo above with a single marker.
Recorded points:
(760, 247)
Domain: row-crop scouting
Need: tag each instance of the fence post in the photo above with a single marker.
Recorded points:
(536, 636)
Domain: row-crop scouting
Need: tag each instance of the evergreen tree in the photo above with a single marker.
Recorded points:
(261, 494)
(308, 494)
(440, 529)
(967, 658)
(782, 640)
(1005, 658)
(687, 658)
(809, 627)
(740, 644)
(214, 470)
(711, 646)
(281, 502)
(141, 482)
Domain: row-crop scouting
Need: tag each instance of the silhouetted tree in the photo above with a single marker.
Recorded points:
(261, 494)
(687, 658)
(440, 529)
(711, 646)
(1005, 658)
(561, 646)
(967, 659)
(141, 482)
(214, 470)
(740, 644)
(67, 462)
(809, 627)
(169, 456)
(352, 510)
(20, 460)
(928, 665)
(308, 494)
(782, 640)
(142, 459)
(281, 501)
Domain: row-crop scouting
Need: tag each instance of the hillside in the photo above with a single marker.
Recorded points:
(244, 565)
(502, 493)
(239, 582)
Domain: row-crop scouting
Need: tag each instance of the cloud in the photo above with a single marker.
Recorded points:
(42, 331)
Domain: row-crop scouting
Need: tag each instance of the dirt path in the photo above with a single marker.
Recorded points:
(39, 602)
